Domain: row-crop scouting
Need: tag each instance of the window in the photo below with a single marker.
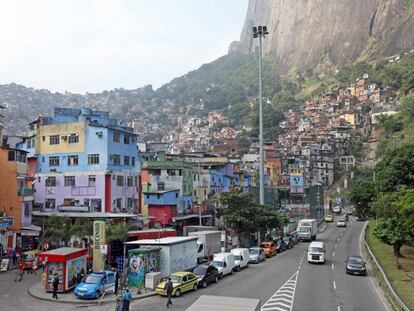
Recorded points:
(118, 203)
(54, 140)
(136, 180)
(29, 144)
(73, 160)
(133, 161)
(161, 186)
(116, 137)
(33, 142)
(93, 158)
(130, 203)
(120, 181)
(50, 203)
(86, 202)
(171, 172)
(130, 181)
(96, 205)
(73, 138)
(69, 181)
(53, 161)
(12, 155)
(51, 181)
(156, 172)
(126, 139)
(68, 202)
(91, 180)
(126, 160)
(44, 138)
(116, 159)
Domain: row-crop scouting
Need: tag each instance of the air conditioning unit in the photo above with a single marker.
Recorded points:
(99, 134)
(64, 137)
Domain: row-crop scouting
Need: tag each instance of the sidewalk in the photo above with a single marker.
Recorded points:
(38, 291)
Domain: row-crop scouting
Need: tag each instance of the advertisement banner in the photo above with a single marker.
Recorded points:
(98, 241)
(6, 222)
(74, 268)
(141, 262)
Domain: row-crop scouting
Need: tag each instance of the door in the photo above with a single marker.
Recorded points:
(184, 282)
(109, 284)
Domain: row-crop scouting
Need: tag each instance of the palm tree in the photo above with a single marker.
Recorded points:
(60, 228)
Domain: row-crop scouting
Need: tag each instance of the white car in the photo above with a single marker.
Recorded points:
(341, 223)
(316, 252)
(224, 262)
(241, 257)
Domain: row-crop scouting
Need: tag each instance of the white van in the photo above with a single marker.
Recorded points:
(316, 252)
(224, 262)
(241, 257)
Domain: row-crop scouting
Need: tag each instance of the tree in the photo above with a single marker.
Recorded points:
(61, 228)
(241, 213)
(118, 232)
(392, 231)
(362, 195)
(405, 206)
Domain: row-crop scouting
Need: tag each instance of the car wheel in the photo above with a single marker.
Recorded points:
(204, 284)
(221, 275)
(195, 287)
(177, 293)
(231, 272)
(98, 293)
(216, 279)
(238, 269)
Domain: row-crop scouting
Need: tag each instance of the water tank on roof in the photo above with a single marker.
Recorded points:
(85, 111)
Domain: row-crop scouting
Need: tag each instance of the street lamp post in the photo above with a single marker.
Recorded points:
(260, 32)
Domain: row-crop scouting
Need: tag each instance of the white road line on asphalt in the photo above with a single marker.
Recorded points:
(335, 245)
(339, 308)
(333, 254)
(334, 284)
(332, 266)
(284, 296)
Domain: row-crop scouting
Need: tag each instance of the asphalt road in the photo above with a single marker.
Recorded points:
(286, 282)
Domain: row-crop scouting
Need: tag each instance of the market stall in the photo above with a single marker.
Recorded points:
(67, 262)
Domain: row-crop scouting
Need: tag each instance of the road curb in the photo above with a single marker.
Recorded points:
(373, 259)
(85, 302)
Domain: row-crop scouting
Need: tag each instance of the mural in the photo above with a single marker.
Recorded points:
(141, 262)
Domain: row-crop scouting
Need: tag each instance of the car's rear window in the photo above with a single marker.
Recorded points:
(200, 270)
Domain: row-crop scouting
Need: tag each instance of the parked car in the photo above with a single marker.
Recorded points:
(182, 282)
(269, 248)
(329, 218)
(295, 237)
(225, 263)
(95, 285)
(241, 257)
(316, 252)
(256, 255)
(341, 222)
(206, 274)
(355, 265)
(288, 241)
(280, 246)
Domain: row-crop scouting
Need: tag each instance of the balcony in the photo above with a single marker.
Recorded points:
(24, 192)
(83, 191)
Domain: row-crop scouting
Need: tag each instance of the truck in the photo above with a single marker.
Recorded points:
(188, 229)
(307, 229)
(208, 243)
(176, 253)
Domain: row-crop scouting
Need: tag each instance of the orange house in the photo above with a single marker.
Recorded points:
(15, 198)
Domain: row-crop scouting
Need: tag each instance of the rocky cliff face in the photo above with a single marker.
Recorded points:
(314, 34)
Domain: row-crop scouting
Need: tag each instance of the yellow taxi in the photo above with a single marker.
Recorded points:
(329, 218)
(182, 282)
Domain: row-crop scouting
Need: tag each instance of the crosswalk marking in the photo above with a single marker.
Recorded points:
(282, 300)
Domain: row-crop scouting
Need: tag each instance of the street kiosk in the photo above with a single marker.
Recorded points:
(67, 262)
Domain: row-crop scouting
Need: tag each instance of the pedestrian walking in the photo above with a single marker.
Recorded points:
(55, 284)
(14, 256)
(20, 272)
(34, 267)
(169, 289)
(116, 282)
(118, 304)
(127, 300)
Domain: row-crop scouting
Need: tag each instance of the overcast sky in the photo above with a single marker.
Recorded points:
(90, 46)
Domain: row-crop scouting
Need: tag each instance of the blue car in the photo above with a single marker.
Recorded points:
(96, 284)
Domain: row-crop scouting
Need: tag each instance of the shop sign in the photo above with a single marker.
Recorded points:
(6, 222)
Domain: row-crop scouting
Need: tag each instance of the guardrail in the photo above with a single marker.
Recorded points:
(400, 303)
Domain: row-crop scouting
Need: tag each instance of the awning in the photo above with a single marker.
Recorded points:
(185, 217)
(32, 227)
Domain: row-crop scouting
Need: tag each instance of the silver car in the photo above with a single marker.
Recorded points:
(341, 223)
(256, 255)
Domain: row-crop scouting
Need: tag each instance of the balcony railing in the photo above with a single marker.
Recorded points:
(25, 192)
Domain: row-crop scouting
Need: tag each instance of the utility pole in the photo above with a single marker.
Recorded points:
(260, 32)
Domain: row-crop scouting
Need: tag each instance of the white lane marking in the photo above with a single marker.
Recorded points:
(284, 296)
(335, 245)
(333, 254)
(334, 284)
(332, 266)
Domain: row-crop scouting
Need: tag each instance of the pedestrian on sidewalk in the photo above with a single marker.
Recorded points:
(118, 304)
(14, 256)
(55, 284)
(116, 281)
(20, 272)
(127, 300)
(169, 289)
(34, 267)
